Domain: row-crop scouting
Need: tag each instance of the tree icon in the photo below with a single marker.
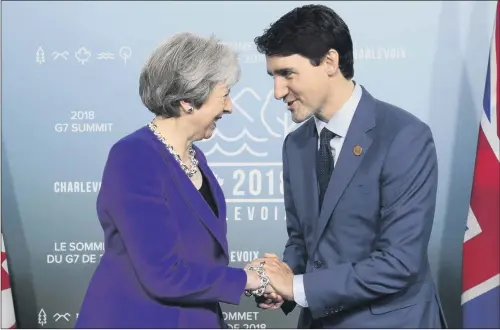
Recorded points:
(42, 317)
(40, 55)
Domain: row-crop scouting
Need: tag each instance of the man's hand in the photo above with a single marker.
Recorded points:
(280, 275)
(270, 300)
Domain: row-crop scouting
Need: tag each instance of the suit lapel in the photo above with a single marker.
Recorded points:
(348, 162)
(216, 191)
(215, 225)
(307, 158)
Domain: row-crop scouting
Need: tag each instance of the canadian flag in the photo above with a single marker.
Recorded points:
(8, 316)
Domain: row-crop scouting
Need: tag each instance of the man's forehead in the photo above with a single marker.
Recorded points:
(276, 64)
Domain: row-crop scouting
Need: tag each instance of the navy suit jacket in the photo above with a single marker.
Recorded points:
(165, 263)
(364, 252)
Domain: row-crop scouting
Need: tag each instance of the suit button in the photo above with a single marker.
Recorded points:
(317, 264)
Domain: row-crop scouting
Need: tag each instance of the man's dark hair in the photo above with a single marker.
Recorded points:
(310, 31)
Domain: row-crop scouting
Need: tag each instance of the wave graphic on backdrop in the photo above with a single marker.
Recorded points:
(265, 121)
(244, 133)
(243, 148)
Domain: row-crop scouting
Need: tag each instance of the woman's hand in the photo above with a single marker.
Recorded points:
(270, 301)
(253, 280)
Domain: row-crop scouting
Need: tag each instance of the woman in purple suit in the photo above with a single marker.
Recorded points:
(161, 208)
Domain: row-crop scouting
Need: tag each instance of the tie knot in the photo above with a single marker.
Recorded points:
(326, 135)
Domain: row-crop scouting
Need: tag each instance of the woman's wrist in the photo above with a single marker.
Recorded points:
(250, 279)
(257, 280)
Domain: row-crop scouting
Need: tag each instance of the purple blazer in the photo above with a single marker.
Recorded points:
(166, 254)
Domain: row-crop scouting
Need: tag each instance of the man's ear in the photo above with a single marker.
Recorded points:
(331, 62)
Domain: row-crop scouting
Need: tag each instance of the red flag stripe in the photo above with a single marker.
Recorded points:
(5, 276)
(482, 253)
(497, 61)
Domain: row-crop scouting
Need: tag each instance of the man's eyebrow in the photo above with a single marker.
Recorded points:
(280, 72)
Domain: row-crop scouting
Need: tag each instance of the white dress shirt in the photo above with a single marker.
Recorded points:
(338, 124)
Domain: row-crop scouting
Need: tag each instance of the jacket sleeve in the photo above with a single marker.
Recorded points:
(136, 202)
(408, 192)
(295, 254)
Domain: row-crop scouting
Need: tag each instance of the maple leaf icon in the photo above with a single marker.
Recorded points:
(82, 55)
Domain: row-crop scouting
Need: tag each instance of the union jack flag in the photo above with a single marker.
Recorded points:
(481, 250)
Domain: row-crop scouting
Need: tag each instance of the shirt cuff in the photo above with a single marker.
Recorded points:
(299, 294)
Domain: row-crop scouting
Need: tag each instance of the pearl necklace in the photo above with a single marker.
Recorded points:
(192, 153)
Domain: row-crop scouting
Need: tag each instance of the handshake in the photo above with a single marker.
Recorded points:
(270, 280)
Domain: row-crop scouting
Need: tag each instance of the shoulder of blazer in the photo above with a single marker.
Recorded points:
(137, 162)
(140, 145)
(389, 118)
(392, 119)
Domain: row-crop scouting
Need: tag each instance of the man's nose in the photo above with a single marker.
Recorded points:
(280, 88)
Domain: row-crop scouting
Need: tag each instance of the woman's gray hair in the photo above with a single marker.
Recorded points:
(186, 68)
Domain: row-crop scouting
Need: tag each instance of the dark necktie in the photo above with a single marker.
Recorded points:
(325, 162)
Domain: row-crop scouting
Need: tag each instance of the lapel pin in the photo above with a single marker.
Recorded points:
(357, 150)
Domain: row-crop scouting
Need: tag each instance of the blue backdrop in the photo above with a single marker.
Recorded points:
(70, 90)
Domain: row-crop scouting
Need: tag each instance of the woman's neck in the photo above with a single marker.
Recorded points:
(174, 131)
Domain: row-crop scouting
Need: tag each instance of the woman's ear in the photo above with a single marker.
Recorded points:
(186, 107)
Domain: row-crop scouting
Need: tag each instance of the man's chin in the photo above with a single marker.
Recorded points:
(300, 118)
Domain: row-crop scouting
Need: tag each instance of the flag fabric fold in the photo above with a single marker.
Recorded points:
(8, 316)
(481, 249)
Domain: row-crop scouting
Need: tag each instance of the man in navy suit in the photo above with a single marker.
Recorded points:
(360, 179)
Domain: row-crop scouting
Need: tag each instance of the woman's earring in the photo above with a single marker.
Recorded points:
(190, 110)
